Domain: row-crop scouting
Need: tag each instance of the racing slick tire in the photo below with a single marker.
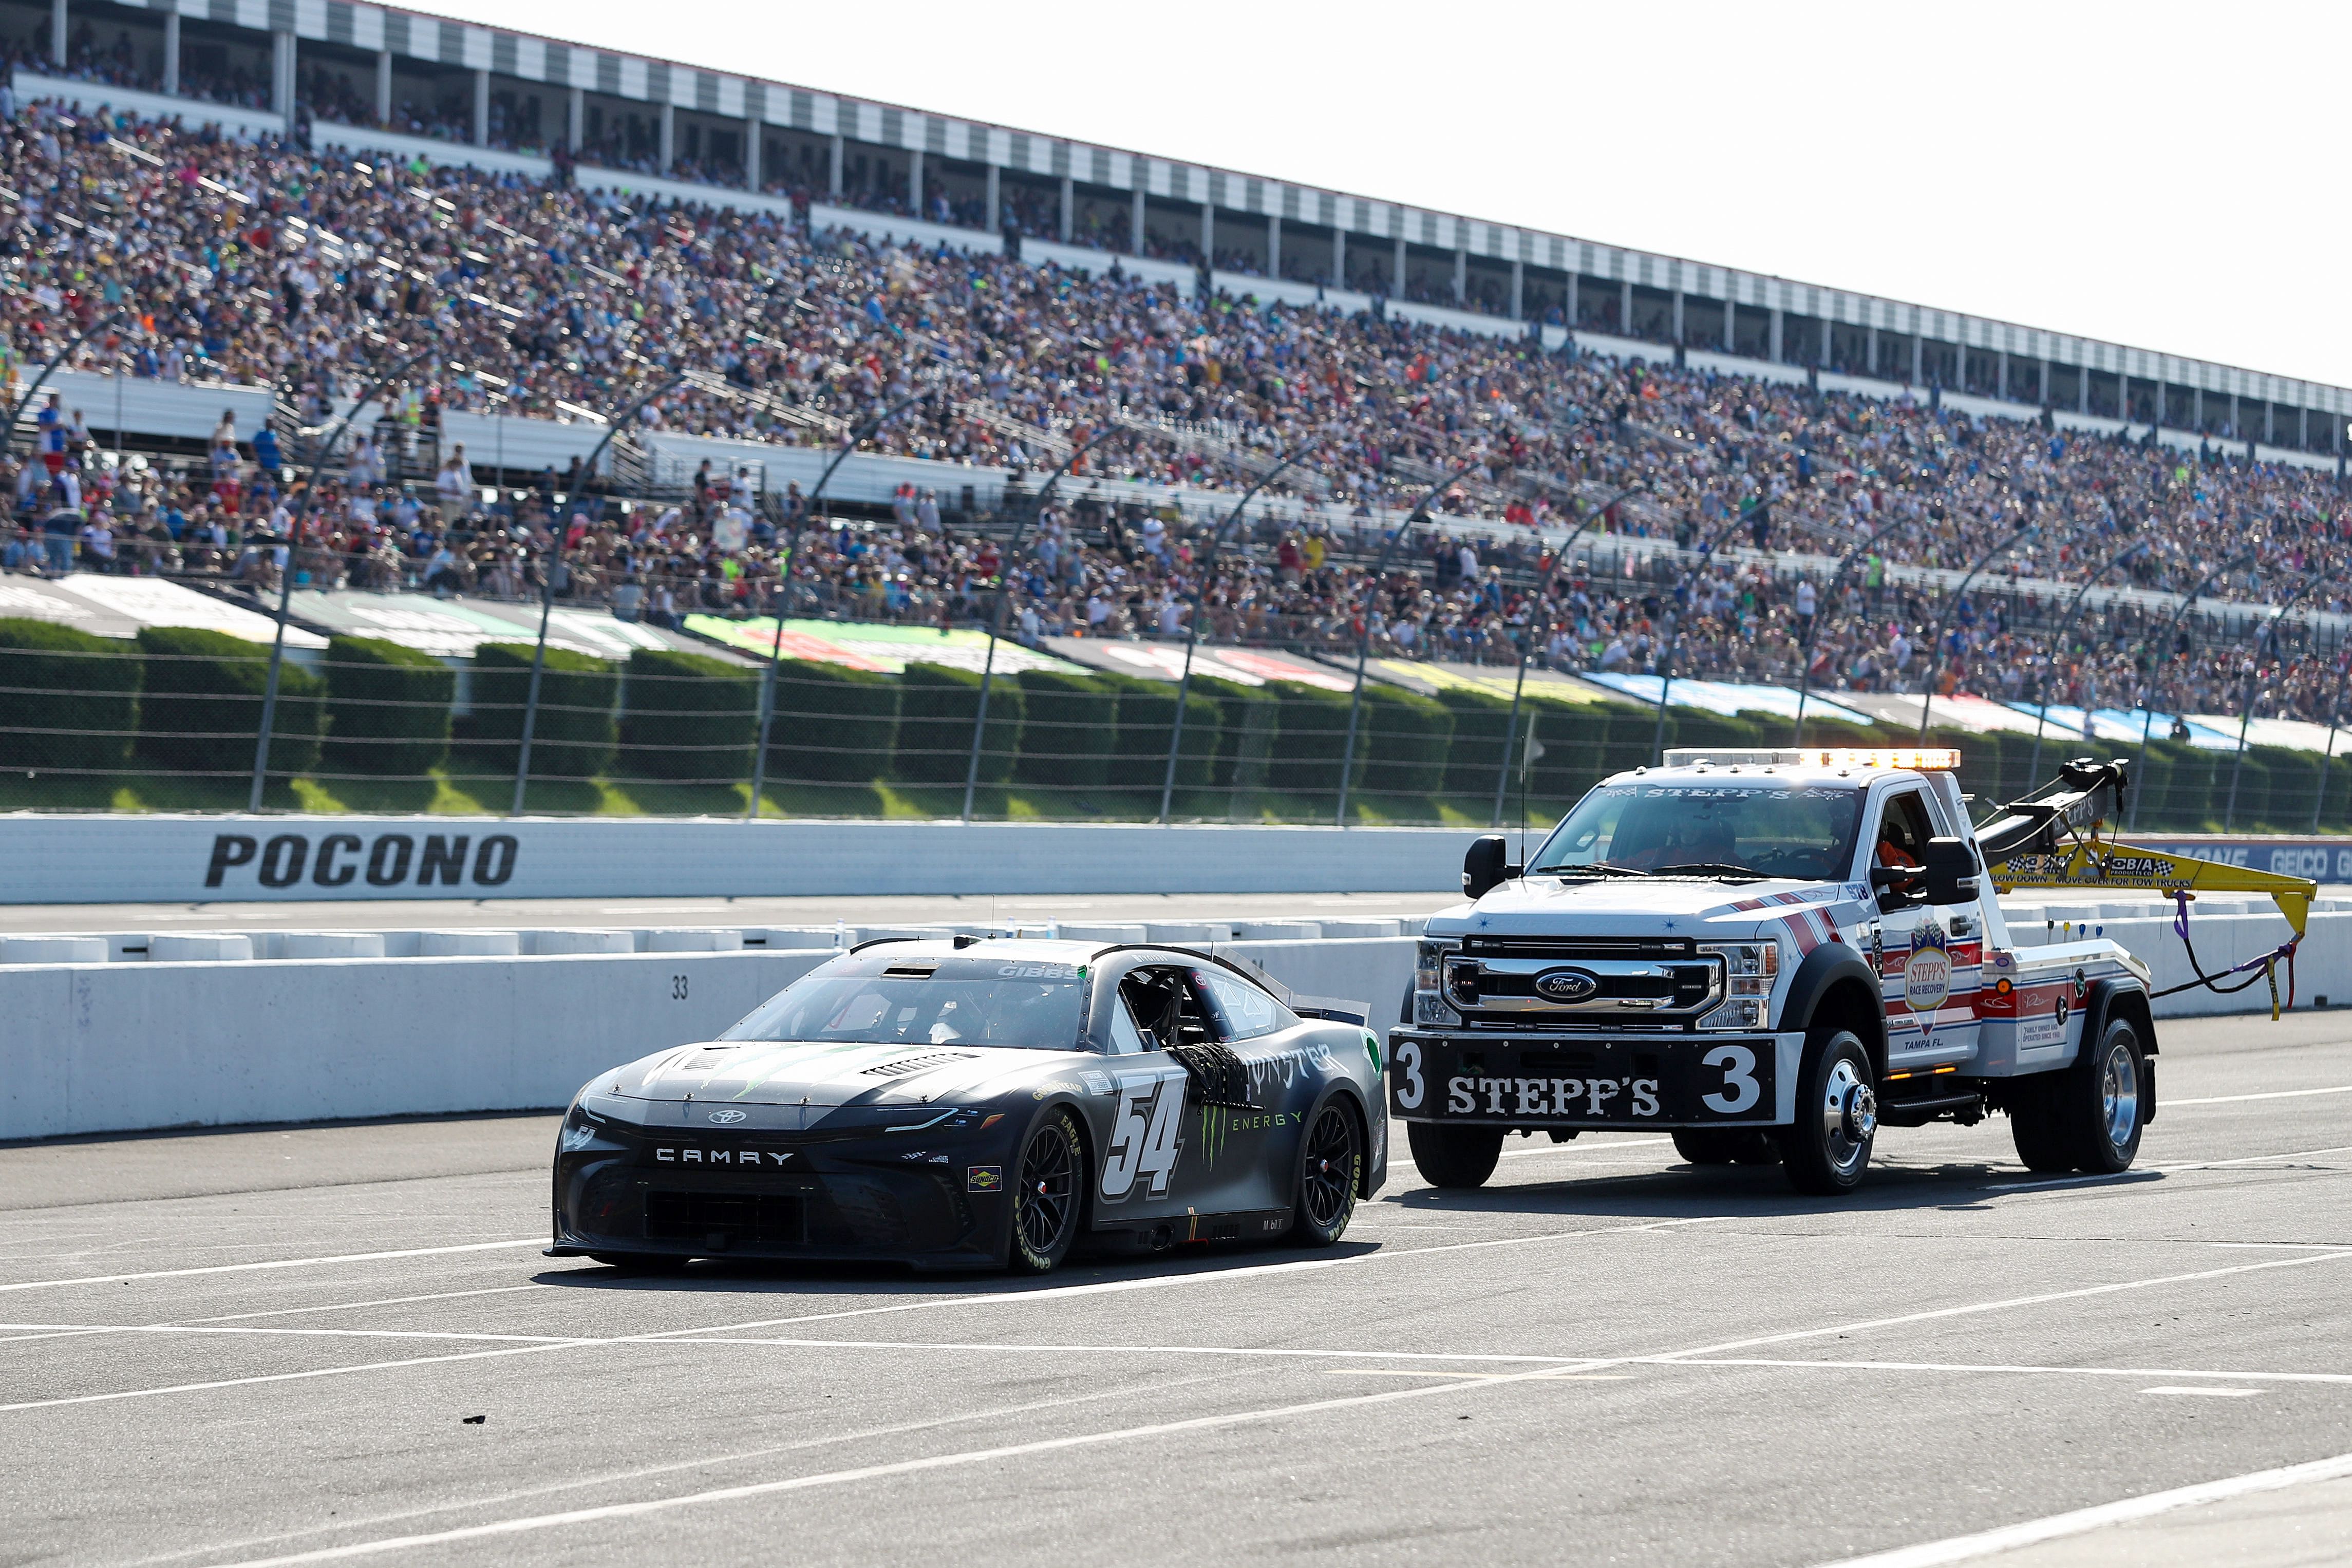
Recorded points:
(1330, 1165)
(2086, 1117)
(1726, 1147)
(1827, 1148)
(1049, 1195)
(1454, 1156)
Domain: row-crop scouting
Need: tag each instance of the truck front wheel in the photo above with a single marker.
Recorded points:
(1454, 1156)
(1828, 1147)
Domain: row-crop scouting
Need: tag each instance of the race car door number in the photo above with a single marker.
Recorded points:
(1599, 1083)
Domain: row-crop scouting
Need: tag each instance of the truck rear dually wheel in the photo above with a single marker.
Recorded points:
(1454, 1156)
(1827, 1148)
(2085, 1117)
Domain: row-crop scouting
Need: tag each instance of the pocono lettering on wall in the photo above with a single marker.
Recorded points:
(390, 860)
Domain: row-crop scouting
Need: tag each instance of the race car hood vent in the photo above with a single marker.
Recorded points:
(764, 1073)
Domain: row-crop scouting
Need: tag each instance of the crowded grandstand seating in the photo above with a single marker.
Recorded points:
(314, 273)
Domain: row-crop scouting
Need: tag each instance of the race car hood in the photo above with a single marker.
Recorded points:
(1624, 907)
(768, 1072)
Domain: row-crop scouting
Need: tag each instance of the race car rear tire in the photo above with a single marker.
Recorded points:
(1330, 1167)
(1827, 1148)
(2099, 1099)
(1454, 1156)
(1049, 1195)
(1726, 1147)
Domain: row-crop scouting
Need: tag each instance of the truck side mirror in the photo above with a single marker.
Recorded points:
(1485, 866)
(1951, 870)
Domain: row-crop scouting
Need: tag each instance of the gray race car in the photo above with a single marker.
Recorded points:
(963, 1102)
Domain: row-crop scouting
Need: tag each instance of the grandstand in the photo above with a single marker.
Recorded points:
(431, 271)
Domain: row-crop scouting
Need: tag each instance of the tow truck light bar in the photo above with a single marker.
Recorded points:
(1919, 758)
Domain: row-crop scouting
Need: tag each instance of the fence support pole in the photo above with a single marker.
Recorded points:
(1519, 684)
(2148, 711)
(783, 587)
(547, 592)
(1193, 633)
(1364, 637)
(2246, 697)
(1004, 595)
(277, 666)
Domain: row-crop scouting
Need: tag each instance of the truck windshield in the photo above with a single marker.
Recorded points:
(1705, 829)
(872, 999)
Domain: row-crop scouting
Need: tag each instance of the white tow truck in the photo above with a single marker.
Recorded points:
(1772, 955)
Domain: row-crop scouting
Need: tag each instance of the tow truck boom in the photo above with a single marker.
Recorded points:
(2051, 839)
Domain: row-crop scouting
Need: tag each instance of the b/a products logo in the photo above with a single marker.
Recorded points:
(390, 860)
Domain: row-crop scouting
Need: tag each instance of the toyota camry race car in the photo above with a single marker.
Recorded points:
(964, 1103)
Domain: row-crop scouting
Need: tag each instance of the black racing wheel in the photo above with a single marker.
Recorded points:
(1048, 1194)
(1331, 1163)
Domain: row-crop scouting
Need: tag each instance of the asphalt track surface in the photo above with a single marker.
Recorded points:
(319, 1343)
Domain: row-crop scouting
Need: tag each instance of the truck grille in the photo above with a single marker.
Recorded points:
(1569, 986)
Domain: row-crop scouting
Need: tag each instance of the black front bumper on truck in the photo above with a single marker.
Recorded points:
(1594, 1082)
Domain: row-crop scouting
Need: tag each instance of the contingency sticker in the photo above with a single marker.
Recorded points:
(984, 1178)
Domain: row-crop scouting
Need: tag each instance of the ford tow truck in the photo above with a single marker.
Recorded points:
(1772, 955)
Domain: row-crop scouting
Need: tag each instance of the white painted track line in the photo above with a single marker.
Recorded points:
(273, 1263)
(2141, 1172)
(2080, 1522)
(901, 1468)
(2163, 1106)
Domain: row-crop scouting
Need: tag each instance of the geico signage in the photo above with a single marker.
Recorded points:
(390, 860)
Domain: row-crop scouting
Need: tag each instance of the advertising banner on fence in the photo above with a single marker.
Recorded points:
(134, 859)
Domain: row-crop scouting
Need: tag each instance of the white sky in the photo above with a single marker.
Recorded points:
(2158, 174)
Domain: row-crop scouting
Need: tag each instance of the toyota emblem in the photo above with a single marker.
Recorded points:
(727, 1116)
(1565, 985)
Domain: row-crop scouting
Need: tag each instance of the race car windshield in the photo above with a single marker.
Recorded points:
(874, 999)
(1722, 830)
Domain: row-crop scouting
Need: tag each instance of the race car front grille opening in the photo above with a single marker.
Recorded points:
(769, 1219)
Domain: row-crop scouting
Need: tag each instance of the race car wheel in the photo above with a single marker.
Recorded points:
(1454, 1156)
(1727, 1146)
(1049, 1195)
(1331, 1161)
(1826, 1150)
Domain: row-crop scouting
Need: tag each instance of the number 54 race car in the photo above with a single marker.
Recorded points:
(964, 1103)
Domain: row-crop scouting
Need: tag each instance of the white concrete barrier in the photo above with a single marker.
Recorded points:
(96, 1047)
(108, 858)
(552, 944)
(201, 947)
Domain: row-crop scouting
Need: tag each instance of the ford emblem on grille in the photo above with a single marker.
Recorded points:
(1565, 985)
(739, 1115)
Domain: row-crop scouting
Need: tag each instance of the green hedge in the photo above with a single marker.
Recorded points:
(688, 718)
(387, 708)
(1147, 711)
(1311, 736)
(1247, 718)
(574, 734)
(1403, 743)
(72, 699)
(1069, 729)
(201, 708)
(831, 723)
(1475, 756)
(938, 706)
